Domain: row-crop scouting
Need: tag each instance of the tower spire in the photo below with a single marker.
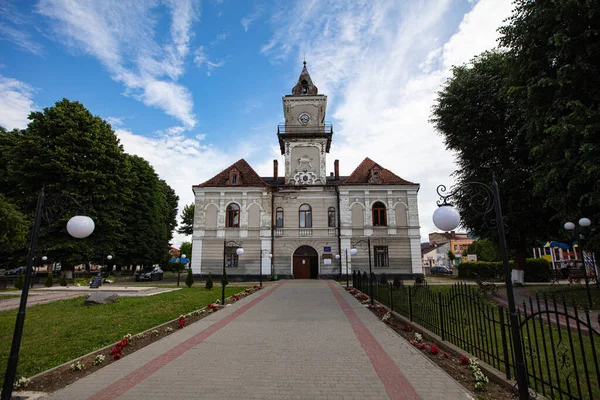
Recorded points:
(305, 85)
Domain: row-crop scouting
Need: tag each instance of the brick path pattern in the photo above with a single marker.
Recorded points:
(295, 340)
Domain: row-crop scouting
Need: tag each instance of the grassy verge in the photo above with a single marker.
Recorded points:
(60, 331)
(572, 292)
(8, 296)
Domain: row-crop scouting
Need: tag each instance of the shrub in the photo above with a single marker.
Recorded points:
(63, 280)
(81, 282)
(383, 279)
(485, 270)
(224, 280)
(189, 280)
(397, 282)
(49, 282)
(20, 281)
(209, 282)
(537, 270)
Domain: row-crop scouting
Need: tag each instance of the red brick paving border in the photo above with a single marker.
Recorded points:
(395, 383)
(135, 377)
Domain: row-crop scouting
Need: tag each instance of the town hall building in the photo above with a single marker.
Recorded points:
(301, 222)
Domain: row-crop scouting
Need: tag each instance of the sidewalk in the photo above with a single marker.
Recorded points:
(294, 340)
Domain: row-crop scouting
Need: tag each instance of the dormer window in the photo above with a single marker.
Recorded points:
(375, 175)
(234, 177)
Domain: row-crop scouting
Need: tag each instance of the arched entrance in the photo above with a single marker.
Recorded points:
(306, 263)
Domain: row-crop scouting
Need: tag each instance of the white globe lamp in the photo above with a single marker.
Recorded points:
(109, 257)
(183, 256)
(569, 226)
(80, 226)
(446, 218)
(353, 252)
(585, 222)
(270, 255)
(239, 251)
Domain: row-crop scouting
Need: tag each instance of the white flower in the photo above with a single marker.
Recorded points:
(22, 382)
(169, 329)
(418, 337)
(128, 336)
(78, 366)
(99, 359)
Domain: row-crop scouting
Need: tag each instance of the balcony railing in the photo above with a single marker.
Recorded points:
(326, 129)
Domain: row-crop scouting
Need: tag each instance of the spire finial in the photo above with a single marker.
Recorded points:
(305, 58)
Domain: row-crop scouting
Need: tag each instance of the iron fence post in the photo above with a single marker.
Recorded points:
(441, 313)
(504, 342)
(410, 316)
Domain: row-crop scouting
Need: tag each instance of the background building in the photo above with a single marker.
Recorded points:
(304, 217)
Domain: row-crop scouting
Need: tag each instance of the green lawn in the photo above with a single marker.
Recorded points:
(572, 292)
(60, 331)
(8, 296)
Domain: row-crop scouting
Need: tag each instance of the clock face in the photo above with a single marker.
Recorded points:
(304, 118)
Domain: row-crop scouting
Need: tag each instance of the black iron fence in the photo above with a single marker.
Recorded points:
(561, 342)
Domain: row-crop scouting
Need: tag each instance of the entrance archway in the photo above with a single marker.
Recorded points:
(305, 263)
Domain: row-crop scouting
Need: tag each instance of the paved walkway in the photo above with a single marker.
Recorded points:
(294, 340)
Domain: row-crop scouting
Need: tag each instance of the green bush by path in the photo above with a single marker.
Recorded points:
(63, 280)
(20, 281)
(209, 282)
(189, 280)
(536, 270)
(49, 282)
(60, 331)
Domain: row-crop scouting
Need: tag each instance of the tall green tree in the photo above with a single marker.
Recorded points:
(186, 248)
(485, 250)
(187, 220)
(71, 152)
(14, 226)
(479, 118)
(554, 50)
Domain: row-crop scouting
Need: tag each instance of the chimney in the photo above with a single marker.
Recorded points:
(336, 168)
(275, 176)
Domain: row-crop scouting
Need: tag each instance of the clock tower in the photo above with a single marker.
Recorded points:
(305, 138)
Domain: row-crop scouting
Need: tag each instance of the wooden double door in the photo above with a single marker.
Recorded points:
(305, 263)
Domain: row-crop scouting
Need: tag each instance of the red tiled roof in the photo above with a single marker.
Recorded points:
(362, 174)
(248, 177)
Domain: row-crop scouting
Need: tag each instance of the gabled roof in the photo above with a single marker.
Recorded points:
(248, 177)
(362, 175)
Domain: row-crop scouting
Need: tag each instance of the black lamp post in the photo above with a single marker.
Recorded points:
(580, 230)
(263, 253)
(239, 251)
(447, 218)
(179, 269)
(354, 251)
(79, 227)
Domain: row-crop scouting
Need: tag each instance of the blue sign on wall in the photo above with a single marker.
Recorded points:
(327, 249)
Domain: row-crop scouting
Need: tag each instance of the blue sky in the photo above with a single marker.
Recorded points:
(193, 86)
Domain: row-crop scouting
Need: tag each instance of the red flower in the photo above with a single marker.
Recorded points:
(464, 360)
(116, 356)
(447, 355)
(387, 321)
(434, 349)
(181, 322)
(407, 328)
(419, 331)
(421, 346)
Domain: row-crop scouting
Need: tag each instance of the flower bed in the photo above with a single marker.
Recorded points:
(63, 375)
(464, 370)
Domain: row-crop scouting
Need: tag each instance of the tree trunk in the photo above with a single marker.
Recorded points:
(518, 272)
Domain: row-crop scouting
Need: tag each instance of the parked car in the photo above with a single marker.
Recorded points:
(15, 271)
(440, 270)
(153, 273)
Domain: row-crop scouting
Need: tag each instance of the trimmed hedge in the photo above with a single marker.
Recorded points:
(536, 270)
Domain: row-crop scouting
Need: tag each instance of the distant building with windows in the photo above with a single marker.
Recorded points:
(305, 217)
(458, 242)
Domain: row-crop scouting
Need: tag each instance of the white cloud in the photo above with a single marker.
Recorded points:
(16, 102)
(120, 35)
(115, 121)
(13, 28)
(179, 160)
(381, 64)
(249, 19)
